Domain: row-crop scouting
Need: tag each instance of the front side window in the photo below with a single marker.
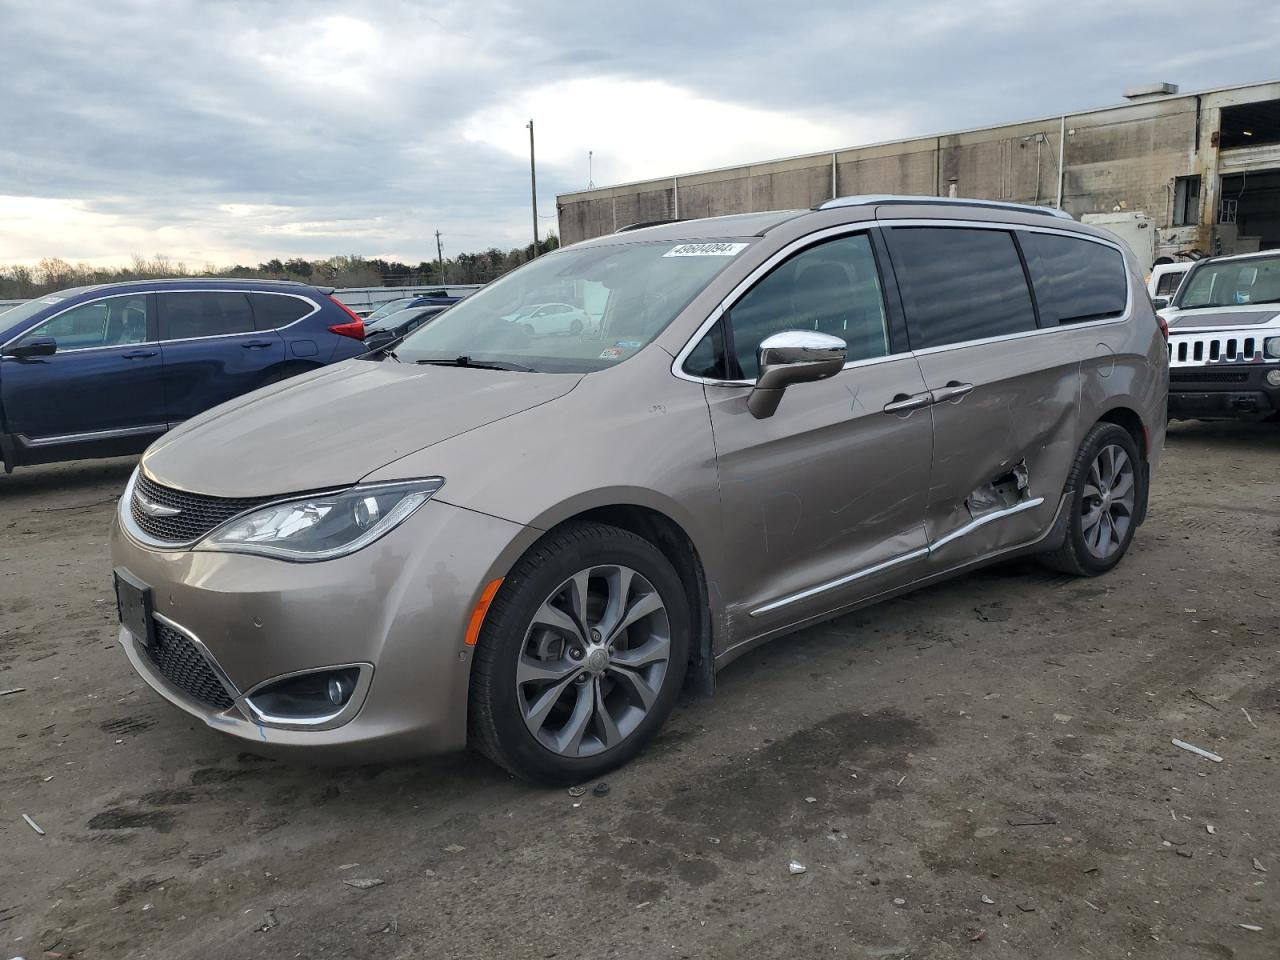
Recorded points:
(212, 313)
(959, 284)
(113, 322)
(1229, 283)
(1075, 280)
(627, 293)
(832, 287)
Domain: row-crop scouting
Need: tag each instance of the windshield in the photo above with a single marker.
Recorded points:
(25, 311)
(575, 310)
(1230, 283)
(388, 308)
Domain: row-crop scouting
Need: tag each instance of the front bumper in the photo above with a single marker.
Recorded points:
(1223, 391)
(400, 605)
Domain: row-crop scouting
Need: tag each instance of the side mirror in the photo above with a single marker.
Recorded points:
(1159, 302)
(35, 347)
(793, 356)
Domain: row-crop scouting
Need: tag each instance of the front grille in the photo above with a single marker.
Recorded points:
(1207, 376)
(1214, 348)
(198, 514)
(179, 662)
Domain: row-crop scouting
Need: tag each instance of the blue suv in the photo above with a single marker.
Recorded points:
(102, 371)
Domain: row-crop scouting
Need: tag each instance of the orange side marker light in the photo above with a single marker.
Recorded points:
(482, 607)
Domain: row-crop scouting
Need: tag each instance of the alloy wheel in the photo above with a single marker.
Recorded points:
(1108, 505)
(593, 661)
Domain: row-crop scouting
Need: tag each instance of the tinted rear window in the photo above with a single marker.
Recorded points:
(209, 313)
(272, 310)
(959, 284)
(1075, 280)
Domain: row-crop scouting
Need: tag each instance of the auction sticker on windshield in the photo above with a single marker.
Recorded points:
(706, 250)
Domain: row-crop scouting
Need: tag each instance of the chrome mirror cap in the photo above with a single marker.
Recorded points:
(793, 356)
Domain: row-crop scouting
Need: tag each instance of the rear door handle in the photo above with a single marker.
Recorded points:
(256, 344)
(903, 403)
(138, 354)
(952, 391)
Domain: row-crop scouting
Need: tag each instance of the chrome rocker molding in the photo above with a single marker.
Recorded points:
(54, 440)
(895, 561)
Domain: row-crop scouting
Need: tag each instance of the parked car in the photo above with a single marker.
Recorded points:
(791, 414)
(388, 308)
(543, 319)
(386, 329)
(102, 371)
(1165, 278)
(1224, 340)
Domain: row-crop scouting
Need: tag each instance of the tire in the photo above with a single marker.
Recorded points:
(1090, 550)
(531, 652)
(575, 328)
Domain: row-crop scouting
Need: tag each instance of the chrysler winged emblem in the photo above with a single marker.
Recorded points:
(153, 509)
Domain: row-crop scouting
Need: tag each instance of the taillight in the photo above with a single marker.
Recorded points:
(1164, 327)
(354, 328)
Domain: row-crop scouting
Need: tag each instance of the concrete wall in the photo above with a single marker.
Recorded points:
(1124, 157)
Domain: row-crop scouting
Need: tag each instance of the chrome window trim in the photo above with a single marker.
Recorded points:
(740, 289)
(315, 308)
(343, 715)
(916, 554)
(54, 439)
(75, 306)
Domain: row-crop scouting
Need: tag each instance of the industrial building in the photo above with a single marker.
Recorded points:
(1172, 172)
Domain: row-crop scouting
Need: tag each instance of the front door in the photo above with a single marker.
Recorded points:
(1006, 390)
(823, 502)
(99, 393)
(212, 349)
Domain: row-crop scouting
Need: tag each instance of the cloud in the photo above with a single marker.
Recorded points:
(230, 132)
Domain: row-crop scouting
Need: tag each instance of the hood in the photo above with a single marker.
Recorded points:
(1218, 318)
(333, 427)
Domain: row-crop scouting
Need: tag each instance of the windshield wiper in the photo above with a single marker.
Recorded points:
(479, 364)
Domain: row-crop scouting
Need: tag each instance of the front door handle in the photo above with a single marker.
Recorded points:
(903, 403)
(138, 354)
(952, 391)
(256, 344)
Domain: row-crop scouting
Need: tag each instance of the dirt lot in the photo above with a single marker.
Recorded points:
(978, 770)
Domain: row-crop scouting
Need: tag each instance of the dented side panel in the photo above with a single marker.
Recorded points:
(1021, 416)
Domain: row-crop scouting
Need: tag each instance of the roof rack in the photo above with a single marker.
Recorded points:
(648, 223)
(877, 200)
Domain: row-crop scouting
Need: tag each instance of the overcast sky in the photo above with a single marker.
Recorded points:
(228, 132)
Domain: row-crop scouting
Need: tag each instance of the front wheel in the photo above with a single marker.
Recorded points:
(581, 656)
(1105, 491)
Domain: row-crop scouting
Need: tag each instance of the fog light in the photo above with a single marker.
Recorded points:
(339, 691)
(306, 699)
(1273, 377)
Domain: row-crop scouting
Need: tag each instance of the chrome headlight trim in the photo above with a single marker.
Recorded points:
(414, 493)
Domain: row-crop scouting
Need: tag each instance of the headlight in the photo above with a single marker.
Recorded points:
(323, 526)
(1271, 347)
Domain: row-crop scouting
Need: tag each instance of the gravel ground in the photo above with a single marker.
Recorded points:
(982, 769)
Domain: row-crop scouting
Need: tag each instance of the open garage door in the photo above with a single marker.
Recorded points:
(1250, 203)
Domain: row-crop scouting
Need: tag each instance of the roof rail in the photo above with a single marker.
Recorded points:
(876, 200)
(648, 223)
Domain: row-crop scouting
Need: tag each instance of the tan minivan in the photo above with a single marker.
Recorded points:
(529, 540)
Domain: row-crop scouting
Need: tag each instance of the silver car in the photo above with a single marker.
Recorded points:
(780, 417)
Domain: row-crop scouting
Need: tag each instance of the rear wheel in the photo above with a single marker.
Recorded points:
(581, 657)
(1105, 491)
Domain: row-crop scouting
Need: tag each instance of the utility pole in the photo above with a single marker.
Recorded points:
(533, 188)
(440, 254)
